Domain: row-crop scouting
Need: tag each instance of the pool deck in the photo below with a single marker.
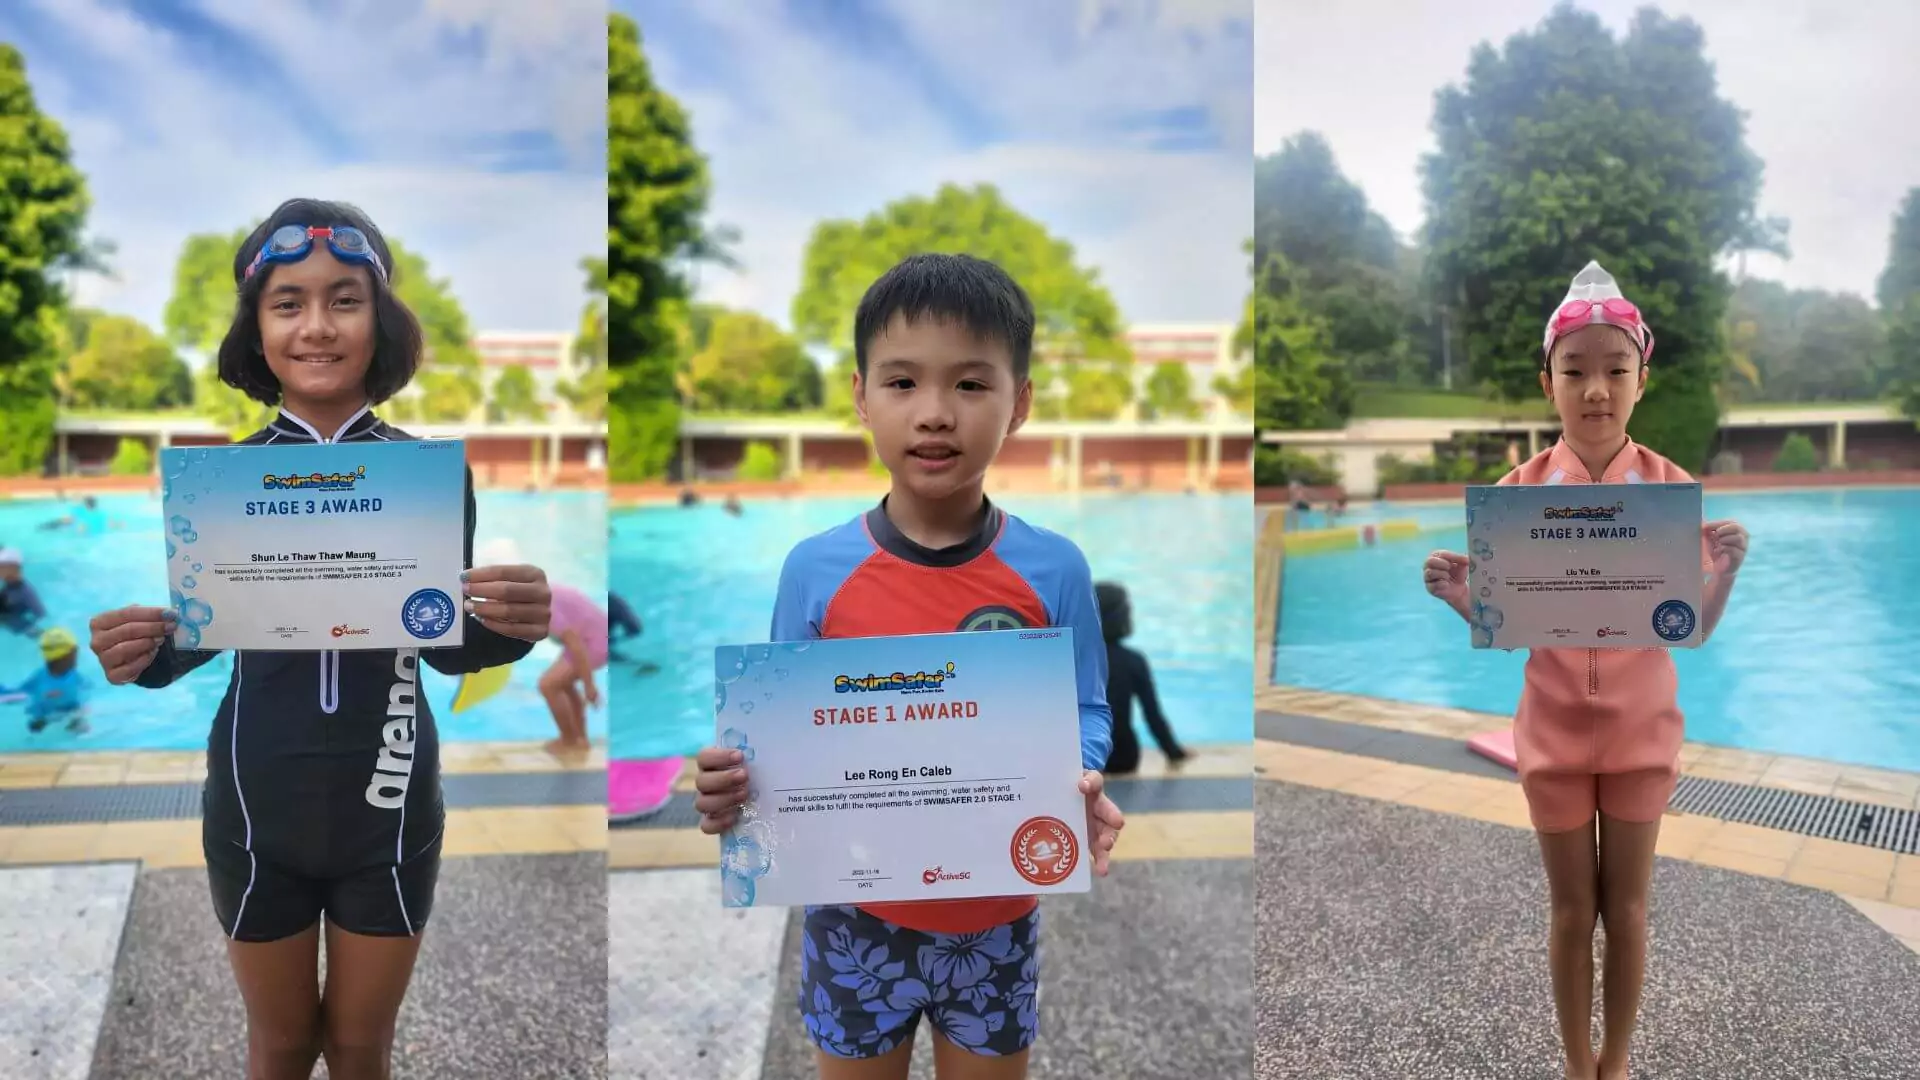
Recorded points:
(107, 936)
(1399, 889)
(1164, 935)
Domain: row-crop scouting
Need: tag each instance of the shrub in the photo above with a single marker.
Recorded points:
(1797, 455)
(131, 458)
(1278, 466)
(760, 461)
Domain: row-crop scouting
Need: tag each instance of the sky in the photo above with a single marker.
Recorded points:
(1125, 126)
(474, 131)
(1829, 88)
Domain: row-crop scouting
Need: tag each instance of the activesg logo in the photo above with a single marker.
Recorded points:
(343, 630)
(934, 875)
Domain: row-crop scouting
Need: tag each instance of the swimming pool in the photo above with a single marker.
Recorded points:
(698, 577)
(1816, 655)
(81, 575)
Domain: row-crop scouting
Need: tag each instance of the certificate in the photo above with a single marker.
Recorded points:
(1608, 566)
(931, 767)
(316, 546)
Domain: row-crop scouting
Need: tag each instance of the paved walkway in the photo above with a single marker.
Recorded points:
(107, 939)
(1146, 977)
(1402, 924)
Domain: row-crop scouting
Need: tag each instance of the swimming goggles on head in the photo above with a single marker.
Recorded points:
(291, 243)
(1594, 299)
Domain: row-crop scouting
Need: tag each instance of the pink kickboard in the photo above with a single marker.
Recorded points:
(1496, 746)
(635, 787)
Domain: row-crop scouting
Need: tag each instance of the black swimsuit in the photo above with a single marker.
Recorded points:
(323, 768)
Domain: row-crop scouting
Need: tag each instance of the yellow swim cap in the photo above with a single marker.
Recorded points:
(57, 643)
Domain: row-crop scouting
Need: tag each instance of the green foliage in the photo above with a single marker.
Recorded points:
(1076, 320)
(657, 189)
(745, 363)
(119, 363)
(1570, 145)
(1298, 385)
(760, 461)
(515, 397)
(233, 412)
(131, 457)
(1277, 466)
(202, 305)
(1351, 272)
(1797, 454)
(1237, 389)
(43, 210)
(1802, 345)
(1169, 393)
(1678, 417)
(642, 440)
(1899, 295)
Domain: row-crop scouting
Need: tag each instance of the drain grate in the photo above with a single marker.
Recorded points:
(1884, 827)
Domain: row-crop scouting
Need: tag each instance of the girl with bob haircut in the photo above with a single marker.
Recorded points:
(322, 803)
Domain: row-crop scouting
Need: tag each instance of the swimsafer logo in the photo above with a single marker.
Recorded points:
(1583, 513)
(314, 481)
(919, 682)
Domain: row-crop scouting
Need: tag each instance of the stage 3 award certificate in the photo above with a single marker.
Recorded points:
(316, 546)
(932, 767)
(1608, 566)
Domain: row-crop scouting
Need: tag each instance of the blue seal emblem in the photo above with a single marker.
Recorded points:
(427, 614)
(1673, 621)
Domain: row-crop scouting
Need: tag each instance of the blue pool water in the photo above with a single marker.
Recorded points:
(1816, 655)
(79, 576)
(698, 578)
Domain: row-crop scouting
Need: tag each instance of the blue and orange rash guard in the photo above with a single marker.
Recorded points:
(866, 579)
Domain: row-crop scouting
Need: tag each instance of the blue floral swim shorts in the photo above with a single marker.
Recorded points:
(865, 982)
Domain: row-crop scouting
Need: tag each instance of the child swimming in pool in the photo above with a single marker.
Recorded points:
(55, 693)
(1598, 731)
(20, 606)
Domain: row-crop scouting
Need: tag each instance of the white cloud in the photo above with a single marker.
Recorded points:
(804, 130)
(185, 150)
(1829, 91)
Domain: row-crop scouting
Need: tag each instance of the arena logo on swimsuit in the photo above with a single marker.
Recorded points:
(388, 788)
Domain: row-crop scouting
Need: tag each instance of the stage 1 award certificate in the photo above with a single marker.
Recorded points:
(932, 767)
(1609, 566)
(316, 546)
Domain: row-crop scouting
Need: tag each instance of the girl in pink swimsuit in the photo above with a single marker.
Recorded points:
(580, 626)
(1598, 731)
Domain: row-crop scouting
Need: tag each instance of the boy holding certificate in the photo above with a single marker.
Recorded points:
(942, 345)
(1598, 731)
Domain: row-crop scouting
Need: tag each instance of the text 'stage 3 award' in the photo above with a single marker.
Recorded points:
(933, 767)
(1605, 566)
(316, 546)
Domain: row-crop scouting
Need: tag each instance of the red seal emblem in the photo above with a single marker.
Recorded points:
(1044, 851)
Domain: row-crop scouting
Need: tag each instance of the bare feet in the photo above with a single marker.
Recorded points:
(1610, 1070)
(1583, 1071)
(564, 747)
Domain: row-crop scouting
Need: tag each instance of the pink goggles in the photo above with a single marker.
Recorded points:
(1575, 314)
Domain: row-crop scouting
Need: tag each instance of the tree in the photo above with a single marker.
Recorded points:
(1169, 392)
(201, 310)
(1802, 345)
(745, 363)
(1347, 264)
(1298, 386)
(43, 211)
(121, 364)
(515, 397)
(1572, 145)
(1237, 389)
(131, 457)
(1077, 324)
(1899, 295)
(657, 189)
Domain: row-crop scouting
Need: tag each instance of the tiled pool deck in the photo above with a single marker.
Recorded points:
(107, 939)
(1164, 936)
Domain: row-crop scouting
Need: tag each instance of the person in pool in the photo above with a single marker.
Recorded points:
(323, 806)
(1130, 679)
(56, 693)
(20, 606)
(1598, 731)
(622, 624)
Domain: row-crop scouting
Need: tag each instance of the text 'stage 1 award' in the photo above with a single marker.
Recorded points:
(933, 767)
(1607, 566)
(316, 546)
